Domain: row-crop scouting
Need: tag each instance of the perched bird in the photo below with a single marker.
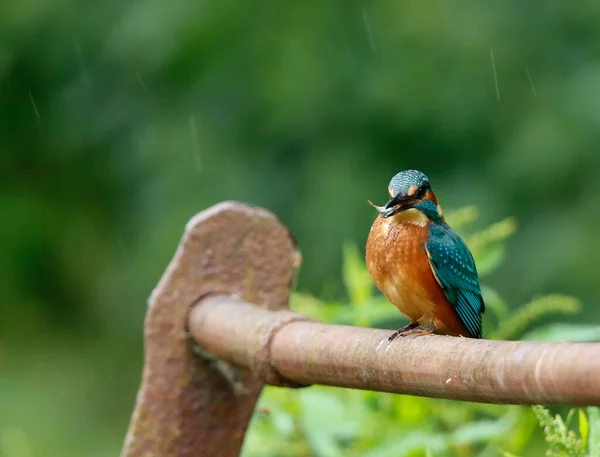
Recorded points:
(421, 265)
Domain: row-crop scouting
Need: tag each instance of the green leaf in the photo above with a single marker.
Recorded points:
(494, 234)
(375, 310)
(584, 428)
(487, 245)
(569, 418)
(504, 453)
(489, 259)
(593, 416)
(483, 430)
(306, 304)
(283, 424)
(357, 280)
(564, 332)
(527, 314)
(494, 302)
(329, 419)
(522, 432)
(400, 446)
(462, 217)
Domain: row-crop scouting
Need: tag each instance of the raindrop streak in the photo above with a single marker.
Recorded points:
(195, 144)
(495, 75)
(141, 82)
(531, 82)
(80, 60)
(37, 113)
(123, 247)
(368, 29)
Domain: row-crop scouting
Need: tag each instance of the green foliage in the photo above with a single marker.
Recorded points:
(593, 416)
(331, 422)
(565, 442)
(564, 332)
(488, 247)
(524, 316)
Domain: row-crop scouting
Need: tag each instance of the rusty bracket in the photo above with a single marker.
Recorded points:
(191, 405)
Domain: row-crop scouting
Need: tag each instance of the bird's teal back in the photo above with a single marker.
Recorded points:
(455, 270)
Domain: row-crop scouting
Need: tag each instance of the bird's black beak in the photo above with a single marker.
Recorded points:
(396, 205)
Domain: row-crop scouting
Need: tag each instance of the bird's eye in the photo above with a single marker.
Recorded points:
(423, 189)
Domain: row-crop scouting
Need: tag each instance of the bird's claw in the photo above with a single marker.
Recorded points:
(407, 330)
(411, 329)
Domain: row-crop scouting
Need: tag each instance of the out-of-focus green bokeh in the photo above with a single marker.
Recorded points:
(122, 119)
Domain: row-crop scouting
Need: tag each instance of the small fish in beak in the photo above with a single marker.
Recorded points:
(394, 206)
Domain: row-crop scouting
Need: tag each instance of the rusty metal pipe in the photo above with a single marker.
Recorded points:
(282, 347)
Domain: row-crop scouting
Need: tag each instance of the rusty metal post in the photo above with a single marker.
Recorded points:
(188, 405)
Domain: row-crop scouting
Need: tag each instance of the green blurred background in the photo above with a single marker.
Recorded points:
(122, 119)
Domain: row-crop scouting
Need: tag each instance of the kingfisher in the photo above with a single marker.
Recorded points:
(421, 265)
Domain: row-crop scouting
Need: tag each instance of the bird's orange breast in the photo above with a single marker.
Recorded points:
(399, 265)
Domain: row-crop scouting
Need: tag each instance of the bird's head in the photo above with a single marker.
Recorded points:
(410, 190)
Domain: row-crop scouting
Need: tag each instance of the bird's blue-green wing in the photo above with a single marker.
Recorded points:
(454, 268)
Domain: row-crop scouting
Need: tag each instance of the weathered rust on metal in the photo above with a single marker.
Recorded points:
(250, 347)
(186, 406)
(503, 372)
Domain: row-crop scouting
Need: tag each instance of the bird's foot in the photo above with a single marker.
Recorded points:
(402, 331)
(411, 329)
